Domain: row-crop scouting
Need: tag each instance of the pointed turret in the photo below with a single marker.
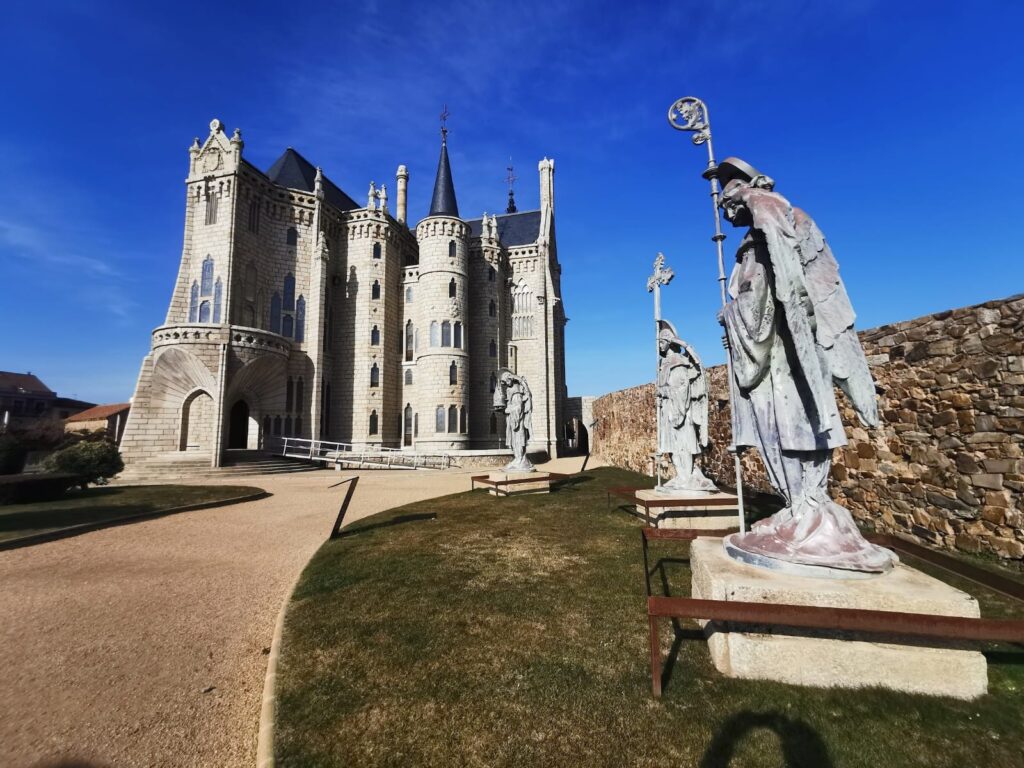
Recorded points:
(443, 202)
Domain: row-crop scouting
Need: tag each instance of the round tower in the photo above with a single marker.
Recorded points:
(442, 310)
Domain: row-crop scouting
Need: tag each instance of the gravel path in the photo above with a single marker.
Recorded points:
(145, 644)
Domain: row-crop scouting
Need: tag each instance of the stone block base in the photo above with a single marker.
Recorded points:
(694, 511)
(538, 482)
(824, 658)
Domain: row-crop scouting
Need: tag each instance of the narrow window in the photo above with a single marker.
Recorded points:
(451, 249)
(300, 385)
(374, 376)
(204, 312)
(277, 426)
(375, 336)
(439, 419)
(211, 207)
(288, 326)
(446, 334)
(275, 313)
(193, 303)
(376, 250)
(492, 310)
(494, 424)
(408, 375)
(254, 215)
(490, 274)
(410, 340)
(266, 429)
(415, 425)
(494, 382)
(289, 395)
(206, 288)
(453, 373)
(298, 426)
(288, 426)
(373, 422)
(292, 237)
(457, 343)
(375, 290)
(453, 419)
(300, 319)
(408, 295)
(463, 421)
(492, 349)
(217, 292)
(451, 289)
(289, 293)
(435, 334)
(250, 282)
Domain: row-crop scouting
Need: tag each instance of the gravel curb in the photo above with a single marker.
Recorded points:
(268, 707)
(75, 530)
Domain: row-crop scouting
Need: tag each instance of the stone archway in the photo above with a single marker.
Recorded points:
(238, 426)
(197, 417)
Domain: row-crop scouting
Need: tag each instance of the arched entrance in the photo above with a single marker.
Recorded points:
(197, 414)
(238, 425)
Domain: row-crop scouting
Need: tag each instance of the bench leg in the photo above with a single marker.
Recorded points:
(655, 658)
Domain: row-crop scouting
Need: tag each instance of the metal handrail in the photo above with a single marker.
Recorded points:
(350, 453)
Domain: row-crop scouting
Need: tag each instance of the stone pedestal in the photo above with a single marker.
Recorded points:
(691, 510)
(524, 482)
(824, 658)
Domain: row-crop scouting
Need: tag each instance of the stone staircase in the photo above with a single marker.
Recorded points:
(194, 465)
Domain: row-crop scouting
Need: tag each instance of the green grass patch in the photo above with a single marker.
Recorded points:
(108, 504)
(473, 631)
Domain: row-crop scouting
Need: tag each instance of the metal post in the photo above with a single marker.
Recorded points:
(691, 114)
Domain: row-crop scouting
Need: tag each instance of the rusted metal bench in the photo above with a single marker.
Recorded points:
(501, 487)
(892, 624)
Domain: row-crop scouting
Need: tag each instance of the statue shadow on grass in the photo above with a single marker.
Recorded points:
(801, 745)
(400, 520)
(570, 483)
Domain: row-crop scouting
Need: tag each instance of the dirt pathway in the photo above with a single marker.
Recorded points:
(145, 644)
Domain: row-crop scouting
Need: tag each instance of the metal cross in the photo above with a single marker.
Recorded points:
(662, 276)
(511, 178)
(444, 123)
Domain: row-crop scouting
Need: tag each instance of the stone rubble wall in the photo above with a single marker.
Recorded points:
(946, 465)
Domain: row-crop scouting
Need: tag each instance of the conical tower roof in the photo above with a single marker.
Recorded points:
(443, 202)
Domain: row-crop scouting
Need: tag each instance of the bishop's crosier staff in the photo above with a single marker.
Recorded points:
(662, 276)
(690, 114)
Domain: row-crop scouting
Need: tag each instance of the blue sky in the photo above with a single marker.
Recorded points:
(896, 125)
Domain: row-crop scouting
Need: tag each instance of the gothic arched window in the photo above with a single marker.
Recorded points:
(453, 419)
(494, 382)
(410, 341)
(204, 312)
(206, 287)
(266, 429)
(298, 426)
(451, 289)
(374, 376)
(373, 422)
(492, 349)
(439, 419)
(292, 236)
(375, 336)
(446, 334)
(289, 396)
(288, 426)
(275, 313)
(376, 250)
(451, 249)
(375, 290)
(408, 295)
(217, 294)
(299, 386)
(490, 274)
(193, 303)
(288, 325)
(289, 293)
(408, 375)
(457, 340)
(453, 373)
(254, 215)
(463, 421)
(300, 319)
(492, 309)
(277, 426)
(435, 334)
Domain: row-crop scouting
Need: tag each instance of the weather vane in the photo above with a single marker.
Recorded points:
(444, 123)
(511, 179)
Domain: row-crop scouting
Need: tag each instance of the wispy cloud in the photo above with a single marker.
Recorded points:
(47, 248)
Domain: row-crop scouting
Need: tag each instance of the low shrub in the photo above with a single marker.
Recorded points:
(25, 489)
(12, 454)
(92, 462)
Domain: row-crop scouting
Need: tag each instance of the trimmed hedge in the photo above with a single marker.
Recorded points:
(91, 462)
(25, 489)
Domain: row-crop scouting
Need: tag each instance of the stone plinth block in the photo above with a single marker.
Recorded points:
(690, 510)
(521, 483)
(825, 658)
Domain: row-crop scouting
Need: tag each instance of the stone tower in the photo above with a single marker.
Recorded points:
(442, 310)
